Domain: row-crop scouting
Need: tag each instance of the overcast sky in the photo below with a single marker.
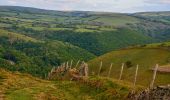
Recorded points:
(94, 5)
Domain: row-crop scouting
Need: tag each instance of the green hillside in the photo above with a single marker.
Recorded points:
(101, 42)
(35, 40)
(97, 32)
(26, 54)
(155, 16)
(17, 86)
(146, 57)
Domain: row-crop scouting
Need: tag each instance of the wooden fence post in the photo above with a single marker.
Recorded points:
(121, 72)
(67, 65)
(154, 76)
(77, 63)
(101, 63)
(52, 70)
(71, 63)
(45, 76)
(86, 70)
(48, 76)
(110, 70)
(136, 74)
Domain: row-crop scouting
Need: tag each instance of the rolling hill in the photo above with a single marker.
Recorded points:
(146, 57)
(35, 40)
(17, 86)
(155, 16)
(97, 32)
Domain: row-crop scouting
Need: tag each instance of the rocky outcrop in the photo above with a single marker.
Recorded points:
(157, 93)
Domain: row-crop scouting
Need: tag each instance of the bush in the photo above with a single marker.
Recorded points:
(10, 56)
(128, 64)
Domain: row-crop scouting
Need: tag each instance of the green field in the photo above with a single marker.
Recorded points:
(155, 16)
(146, 58)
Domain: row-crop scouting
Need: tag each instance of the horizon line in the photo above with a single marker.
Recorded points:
(84, 10)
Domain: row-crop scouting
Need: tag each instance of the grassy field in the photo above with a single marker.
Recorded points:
(146, 58)
(156, 16)
(16, 86)
(117, 19)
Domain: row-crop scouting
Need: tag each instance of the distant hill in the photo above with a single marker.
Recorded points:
(163, 17)
(97, 32)
(146, 57)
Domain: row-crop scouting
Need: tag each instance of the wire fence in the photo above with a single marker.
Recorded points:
(64, 67)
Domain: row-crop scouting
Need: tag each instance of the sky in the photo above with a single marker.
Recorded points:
(124, 6)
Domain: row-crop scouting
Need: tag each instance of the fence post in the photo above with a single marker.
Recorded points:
(121, 72)
(45, 76)
(154, 76)
(67, 65)
(48, 75)
(101, 63)
(71, 63)
(136, 74)
(52, 70)
(86, 70)
(77, 63)
(110, 70)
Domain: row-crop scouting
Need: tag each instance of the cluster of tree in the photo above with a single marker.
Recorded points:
(37, 58)
(26, 57)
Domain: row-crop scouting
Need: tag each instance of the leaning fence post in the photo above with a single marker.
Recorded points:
(110, 70)
(77, 63)
(101, 63)
(52, 70)
(71, 63)
(136, 74)
(154, 76)
(121, 72)
(67, 65)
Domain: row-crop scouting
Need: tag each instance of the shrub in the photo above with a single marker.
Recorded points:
(128, 64)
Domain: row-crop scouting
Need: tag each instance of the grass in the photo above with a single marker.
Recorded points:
(18, 86)
(145, 57)
(117, 19)
(84, 30)
(163, 44)
(20, 95)
(17, 36)
(109, 37)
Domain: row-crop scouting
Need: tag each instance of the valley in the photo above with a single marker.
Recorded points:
(34, 41)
